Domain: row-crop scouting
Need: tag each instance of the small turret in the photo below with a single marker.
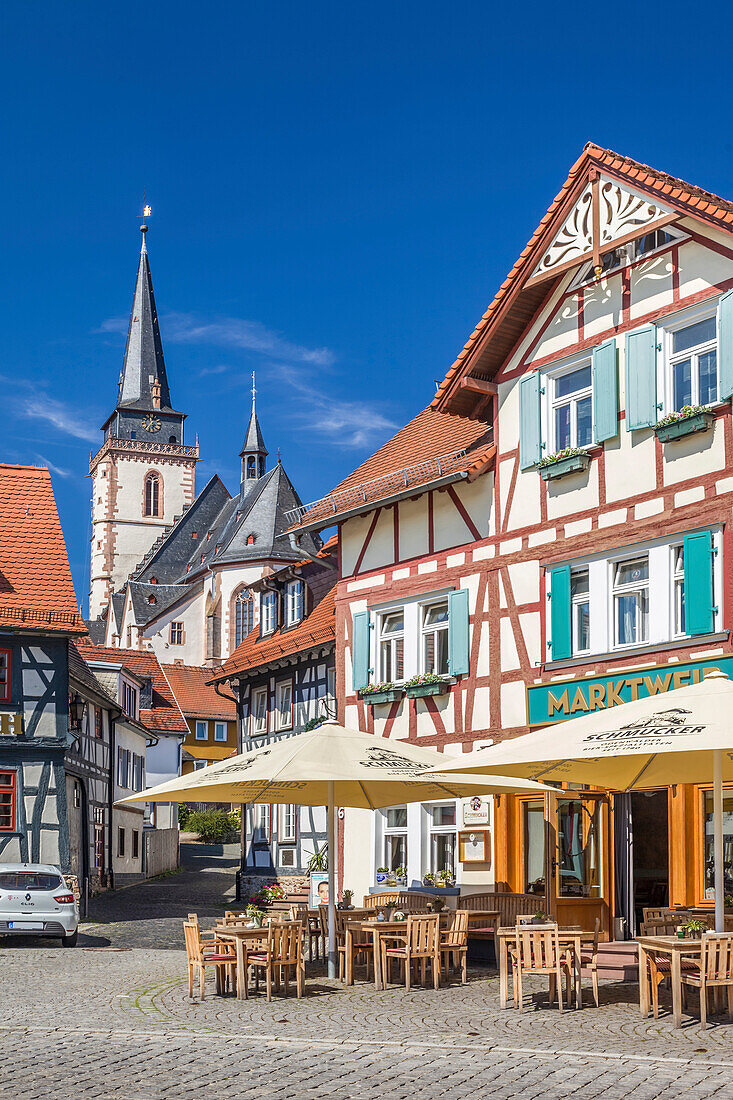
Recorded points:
(254, 452)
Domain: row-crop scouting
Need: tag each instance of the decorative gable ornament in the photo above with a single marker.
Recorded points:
(619, 213)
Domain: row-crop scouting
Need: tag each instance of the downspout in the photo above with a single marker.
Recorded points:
(111, 792)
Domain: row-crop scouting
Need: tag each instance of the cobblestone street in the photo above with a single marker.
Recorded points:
(112, 1019)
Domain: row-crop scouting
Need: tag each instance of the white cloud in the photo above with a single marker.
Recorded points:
(59, 470)
(58, 414)
(347, 423)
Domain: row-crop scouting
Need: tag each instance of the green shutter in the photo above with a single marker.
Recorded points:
(725, 345)
(605, 392)
(641, 378)
(560, 612)
(699, 611)
(530, 447)
(458, 636)
(360, 650)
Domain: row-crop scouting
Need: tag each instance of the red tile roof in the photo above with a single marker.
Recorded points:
(685, 197)
(196, 697)
(35, 579)
(427, 437)
(165, 714)
(319, 628)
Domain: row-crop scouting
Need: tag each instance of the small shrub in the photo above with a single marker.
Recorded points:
(214, 826)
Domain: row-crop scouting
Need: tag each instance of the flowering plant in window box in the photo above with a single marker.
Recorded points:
(428, 683)
(567, 461)
(386, 692)
(689, 419)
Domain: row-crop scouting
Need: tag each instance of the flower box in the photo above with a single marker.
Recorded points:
(420, 691)
(571, 464)
(686, 425)
(371, 698)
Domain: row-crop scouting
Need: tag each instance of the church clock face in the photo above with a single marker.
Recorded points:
(152, 424)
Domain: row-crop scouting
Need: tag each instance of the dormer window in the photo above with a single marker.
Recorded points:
(129, 699)
(152, 599)
(250, 540)
(294, 602)
(268, 612)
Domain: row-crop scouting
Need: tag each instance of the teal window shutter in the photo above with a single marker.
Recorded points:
(699, 610)
(641, 378)
(605, 392)
(360, 650)
(560, 612)
(530, 446)
(458, 635)
(725, 345)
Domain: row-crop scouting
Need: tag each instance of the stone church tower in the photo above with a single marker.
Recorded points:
(143, 474)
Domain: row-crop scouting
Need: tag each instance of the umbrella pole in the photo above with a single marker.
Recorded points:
(331, 883)
(718, 839)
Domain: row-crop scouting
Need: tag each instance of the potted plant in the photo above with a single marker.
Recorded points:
(382, 873)
(567, 461)
(386, 692)
(689, 419)
(428, 879)
(445, 877)
(540, 917)
(256, 916)
(427, 683)
(436, 904)
(391, 878)
(346, 897)
(401, 876)
(693, 929)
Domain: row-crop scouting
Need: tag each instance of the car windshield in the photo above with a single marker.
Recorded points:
(29, 880)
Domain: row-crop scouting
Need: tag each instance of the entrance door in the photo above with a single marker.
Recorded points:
(579, 864)
(650, 829)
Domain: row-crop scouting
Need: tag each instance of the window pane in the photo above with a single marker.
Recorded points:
(708, 372)
(582, 627)
(534, 847)
(693, 335)
(572, 382)
(727, 843)
(397, 817)
(682, 383)
(579, 583)
(584, 422)
(562, 427)
(442, 852)
(395, 851)
(399, 663)
(438, 613)
(441, 657)
(444, 815)
(632, 572)
(393, 623)
(578, 842)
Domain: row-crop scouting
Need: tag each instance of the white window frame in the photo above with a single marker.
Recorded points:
(287, 824)
(294, 601)
(397, 831)
(269, 612)
(631, 588)
(220, 731)
(552, 402)
(412, 611)
(436, 629)
(202, 730)
(390, 639)
(199, 764)
(262, 824)
(576, 602)
(665, 362)
(441, 830)
(258, 725)
(632, 256)
(677, 595)
(284, 721)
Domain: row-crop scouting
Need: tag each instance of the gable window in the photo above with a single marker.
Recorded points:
(392, 646)
(202, 731)
(294, 602)
(571, 408)
(5, 674)
(259, 711)
(153, 495)
(693, 364)
(286, 821)
(220, 731)
(199, 764)
(284, 705)
(580, 600)
(631, 601)
(243, 615)
(8, 797)
(269, 612)
(176, 633)
(435, 638)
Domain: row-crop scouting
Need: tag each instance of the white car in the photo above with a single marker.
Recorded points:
(35, 901)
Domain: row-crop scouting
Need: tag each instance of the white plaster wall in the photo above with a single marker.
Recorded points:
(353, 533)
(573, 493)
(701, 268)
(524, 578)
(602, 306)
(192, 613)
(694, 456)
(359, 865)
(413, 527)
(561, 332)
(380, 550)
(513, 706)
(651, 285)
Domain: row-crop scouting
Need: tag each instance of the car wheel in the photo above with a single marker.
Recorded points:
(70, 941)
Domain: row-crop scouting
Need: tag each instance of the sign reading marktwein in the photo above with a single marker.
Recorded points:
(561, 699)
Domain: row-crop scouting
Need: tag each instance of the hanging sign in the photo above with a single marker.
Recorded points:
(475, 811)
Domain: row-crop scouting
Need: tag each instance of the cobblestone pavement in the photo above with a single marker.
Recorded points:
(112, 1018)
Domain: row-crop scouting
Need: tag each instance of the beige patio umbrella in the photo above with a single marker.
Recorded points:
(683, 736)
(330, 766)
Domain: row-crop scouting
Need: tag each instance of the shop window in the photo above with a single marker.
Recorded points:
(220, 731)
(708, 861)
(259, 711)
(294, 602)
(395, 837)
(202, 731)
(284, 705)
(578, 848)
(435, 638)
(443, 837)
(287, 824)
(8, 799)
(533, 845)
(6, 663)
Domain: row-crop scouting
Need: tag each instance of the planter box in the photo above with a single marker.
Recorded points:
(570, 465)
(700, 422)
(371, 698)
(420, 691)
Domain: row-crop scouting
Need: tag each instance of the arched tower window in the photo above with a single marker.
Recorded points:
(251, 468)
(153, 496)
(243, 615)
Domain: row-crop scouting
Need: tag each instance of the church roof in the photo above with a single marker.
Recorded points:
(168, 557)
(254, 442)
(149, 600)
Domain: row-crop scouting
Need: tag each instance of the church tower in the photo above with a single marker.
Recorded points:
(254, 452)
(143, 474)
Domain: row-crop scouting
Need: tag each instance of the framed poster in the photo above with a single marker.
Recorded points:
(474, 846)
(319, 889)
(475, 811)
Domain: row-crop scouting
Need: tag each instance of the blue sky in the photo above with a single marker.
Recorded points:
(337, 192)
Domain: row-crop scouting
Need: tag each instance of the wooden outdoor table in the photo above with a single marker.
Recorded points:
(390, 928)
(567, 938)
(240, 935)
(675, 948)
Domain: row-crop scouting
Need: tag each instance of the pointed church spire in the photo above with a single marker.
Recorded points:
(144, 383)
(253, 452)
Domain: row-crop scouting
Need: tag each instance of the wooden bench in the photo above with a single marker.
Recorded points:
(397, 899)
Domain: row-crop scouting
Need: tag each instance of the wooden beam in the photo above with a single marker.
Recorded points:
(478, 385)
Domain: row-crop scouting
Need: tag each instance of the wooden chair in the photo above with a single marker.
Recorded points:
(421, 944)
(202, 955)
(283, 952)
(454, 943)
(655, 915)
(714, 972)
(537, 951)
(397, 899)
(660, 966)
(589, 959)
(362, 943)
